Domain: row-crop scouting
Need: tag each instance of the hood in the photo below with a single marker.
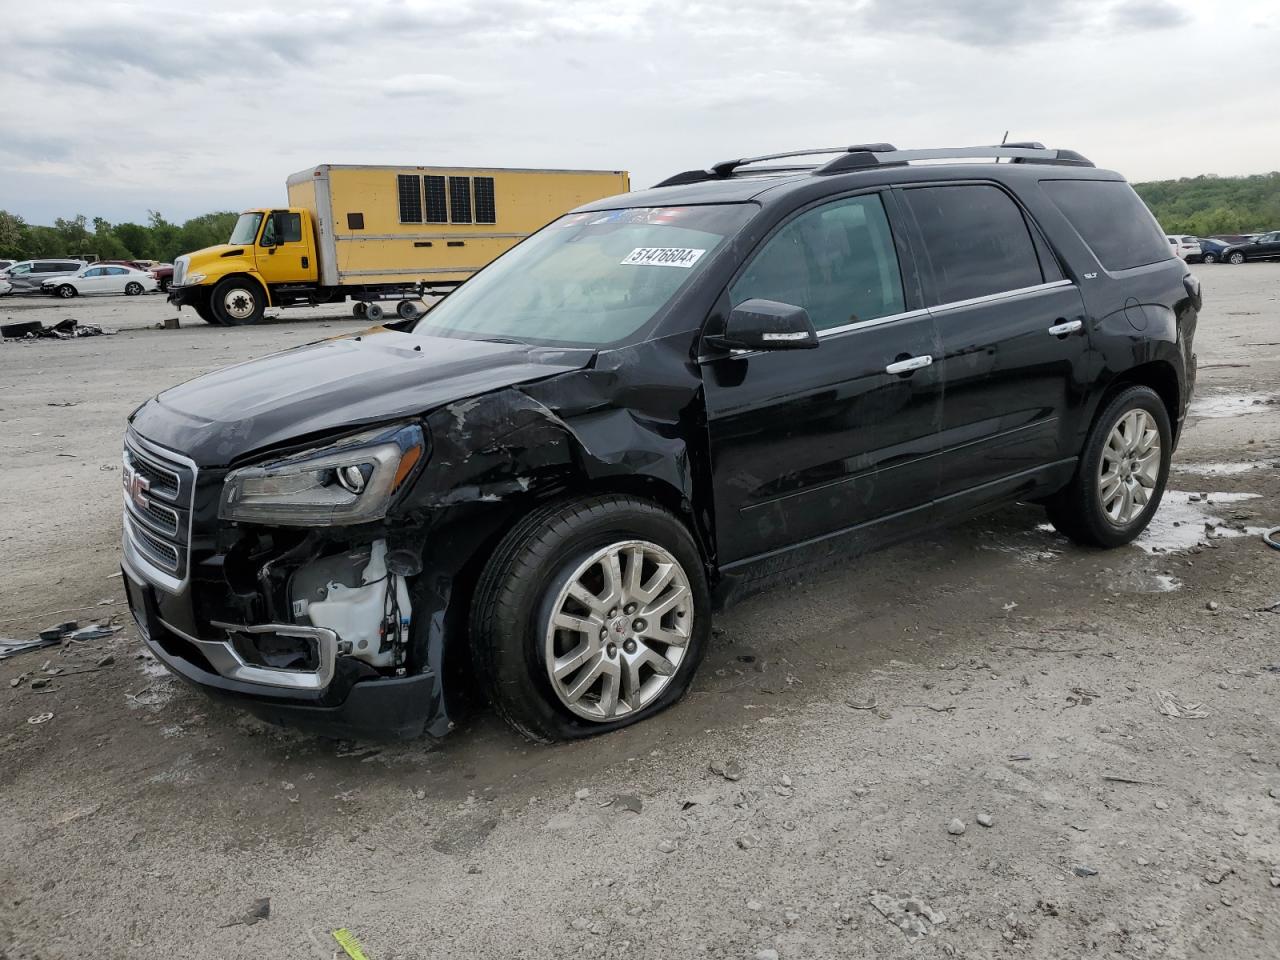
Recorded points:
(348, 381)
(218, 252)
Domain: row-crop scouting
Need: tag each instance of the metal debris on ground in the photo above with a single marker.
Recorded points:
(909, 914)
(68, 329)
(40, 718)
(1169, 705)
(260, 909)
(1080, 870)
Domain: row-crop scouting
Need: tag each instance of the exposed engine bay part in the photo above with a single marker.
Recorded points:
(354, 595)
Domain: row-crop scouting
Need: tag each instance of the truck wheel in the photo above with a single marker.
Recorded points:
(373, 312)
(360, 310)
(407, 310)
(205, 312)
(1122, 472)
(238, 301)
(591, 614)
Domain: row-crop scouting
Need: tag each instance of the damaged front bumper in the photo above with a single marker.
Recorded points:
(333, 700)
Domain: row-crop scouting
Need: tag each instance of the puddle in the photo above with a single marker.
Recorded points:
(1179, 524)
(1231, 404)
(1217, 469)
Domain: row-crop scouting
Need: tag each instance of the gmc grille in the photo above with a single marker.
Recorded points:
(159, 493)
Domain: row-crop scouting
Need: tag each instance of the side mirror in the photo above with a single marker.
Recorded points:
(766, 325)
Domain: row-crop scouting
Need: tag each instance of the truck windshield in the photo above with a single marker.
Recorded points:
(246, 230)
(589, 278)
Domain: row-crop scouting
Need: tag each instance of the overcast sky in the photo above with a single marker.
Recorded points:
(111, 109)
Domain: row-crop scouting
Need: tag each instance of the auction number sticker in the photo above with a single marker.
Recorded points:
(684, 257)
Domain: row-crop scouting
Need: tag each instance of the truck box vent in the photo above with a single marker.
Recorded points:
(460, 199)
(437, 212)
(410, 193)
(355, 221)
(486, 210)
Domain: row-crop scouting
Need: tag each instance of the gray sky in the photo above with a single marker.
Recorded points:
(113, 108)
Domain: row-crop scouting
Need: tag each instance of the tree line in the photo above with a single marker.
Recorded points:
(157, 239)
(1205, 205)
(1200, 206)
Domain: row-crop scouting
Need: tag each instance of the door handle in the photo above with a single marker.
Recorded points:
(907, 366)
(1062, 329)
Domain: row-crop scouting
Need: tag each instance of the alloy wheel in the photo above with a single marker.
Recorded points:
(1130, 467)
(618, 630)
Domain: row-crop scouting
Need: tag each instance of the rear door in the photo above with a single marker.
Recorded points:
(808, 443)
(1013, 340)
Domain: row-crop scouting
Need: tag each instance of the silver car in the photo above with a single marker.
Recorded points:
(27, 276)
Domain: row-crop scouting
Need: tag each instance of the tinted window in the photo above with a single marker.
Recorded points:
(95, 272)
(115, 271)
(837, 261)
(976, 239)
(1111, 219)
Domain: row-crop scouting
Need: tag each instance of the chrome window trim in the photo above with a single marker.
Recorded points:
(1002, 295)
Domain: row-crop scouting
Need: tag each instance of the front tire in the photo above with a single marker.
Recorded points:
(1210, 258)
(1236, 259)
(1122, 472)
(66, 291)
(589, 616)
(205, 312)
(238, 301)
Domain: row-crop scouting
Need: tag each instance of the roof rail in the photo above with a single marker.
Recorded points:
(726, 168)
(865, 155)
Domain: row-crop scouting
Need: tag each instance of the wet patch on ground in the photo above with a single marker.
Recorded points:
(1219, 405)
(1187, 520)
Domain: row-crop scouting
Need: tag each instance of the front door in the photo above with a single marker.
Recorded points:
(284, 251)
(1013, 338)
(806, 444)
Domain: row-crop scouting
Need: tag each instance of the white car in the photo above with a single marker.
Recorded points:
(5, 286)
(108, 278)
(1184, 246)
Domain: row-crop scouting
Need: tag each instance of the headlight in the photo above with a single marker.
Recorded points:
(193, 278)
(350, 481)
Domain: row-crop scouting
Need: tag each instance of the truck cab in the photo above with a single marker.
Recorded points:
(269, 258)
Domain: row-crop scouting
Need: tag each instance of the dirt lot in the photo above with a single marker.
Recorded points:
(992, 669)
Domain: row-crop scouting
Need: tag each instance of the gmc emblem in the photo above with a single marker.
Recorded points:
(136, 487)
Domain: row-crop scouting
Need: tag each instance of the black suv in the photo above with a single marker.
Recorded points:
(654, 405)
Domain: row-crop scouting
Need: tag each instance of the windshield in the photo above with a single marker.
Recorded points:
(589, 278)
(246, 230)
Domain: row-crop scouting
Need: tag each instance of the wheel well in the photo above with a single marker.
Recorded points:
(1160, 376)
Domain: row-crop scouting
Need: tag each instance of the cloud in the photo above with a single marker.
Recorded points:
(1148, 15)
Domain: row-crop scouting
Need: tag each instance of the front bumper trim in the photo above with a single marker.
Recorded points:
(229, 663)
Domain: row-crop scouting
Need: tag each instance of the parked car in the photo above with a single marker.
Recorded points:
(1263, 246)
(1184, 246)
(27, 276)
(101, 278)
(653, 406)
(5, 287)
(1210, 250)
(5, 265)
(163, 272)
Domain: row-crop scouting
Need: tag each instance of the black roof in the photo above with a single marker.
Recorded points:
(735, 181)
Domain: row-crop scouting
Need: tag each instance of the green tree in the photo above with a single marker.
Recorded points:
(13, 232)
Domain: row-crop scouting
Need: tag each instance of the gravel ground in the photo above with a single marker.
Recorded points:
(962, 734)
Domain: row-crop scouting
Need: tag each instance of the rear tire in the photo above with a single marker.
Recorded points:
(360, 310)
(373, 312)
(552, 557)
(238, 301)
(1120, 479)
(132, 289)
(407, 310)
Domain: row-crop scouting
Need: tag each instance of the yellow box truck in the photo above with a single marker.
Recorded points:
(376, 233)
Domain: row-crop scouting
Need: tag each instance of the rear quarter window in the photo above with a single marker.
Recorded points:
(1112, 220)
